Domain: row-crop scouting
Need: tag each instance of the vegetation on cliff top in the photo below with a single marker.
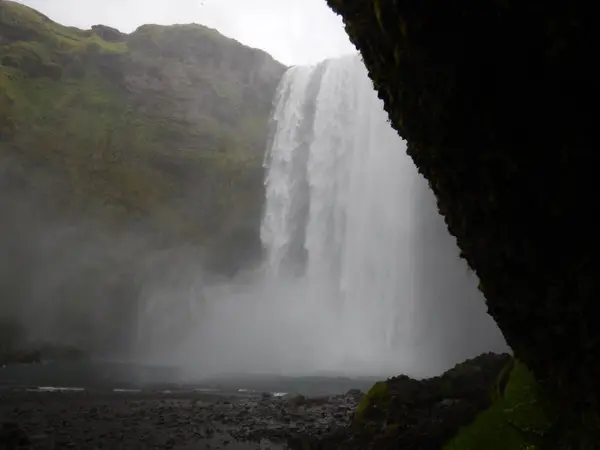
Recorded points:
(494, 99)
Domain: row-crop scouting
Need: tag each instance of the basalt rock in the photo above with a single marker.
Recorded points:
(495, 100)
(425, 414)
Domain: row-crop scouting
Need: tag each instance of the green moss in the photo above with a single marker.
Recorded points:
(88, 134)
(21, 23)
(7, 123)
(515, 421)
(32, 58)
(374, 403)
(503, 378)
(377, 9)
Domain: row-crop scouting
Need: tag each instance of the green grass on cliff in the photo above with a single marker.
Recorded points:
(39, 47)
(20, 23)
(514, 422)
(58, 110)
(82, 129)
(133, 148)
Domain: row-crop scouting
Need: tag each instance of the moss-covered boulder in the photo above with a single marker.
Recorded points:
(425, 414)
(516, 419)
(495, 99)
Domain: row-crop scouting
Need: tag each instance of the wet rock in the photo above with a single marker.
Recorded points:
(356, 394)
(90, 421)
(424, 414)
(12, 436)
(297, 400)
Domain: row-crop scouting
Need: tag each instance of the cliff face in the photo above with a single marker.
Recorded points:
(114, 147)
(494, 99)
(167, 124)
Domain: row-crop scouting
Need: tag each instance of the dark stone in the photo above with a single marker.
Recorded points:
(424, 414)
(12, 436)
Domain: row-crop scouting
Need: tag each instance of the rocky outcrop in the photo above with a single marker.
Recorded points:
(425, 414)
(494, 99)
(109, 34)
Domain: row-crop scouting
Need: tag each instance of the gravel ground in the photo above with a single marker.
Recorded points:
(155, 420)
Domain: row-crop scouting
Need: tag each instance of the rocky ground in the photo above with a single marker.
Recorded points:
(146, 420)
(397, 413)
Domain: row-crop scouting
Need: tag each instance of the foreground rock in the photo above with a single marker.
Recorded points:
(426, 414)
(398, 413)
(403, 413)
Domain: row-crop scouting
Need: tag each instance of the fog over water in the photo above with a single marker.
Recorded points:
(360, 275)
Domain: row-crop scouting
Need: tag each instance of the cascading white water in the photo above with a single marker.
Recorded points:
(361, 275)
(280, 219)
(335, 156)
(359, 225)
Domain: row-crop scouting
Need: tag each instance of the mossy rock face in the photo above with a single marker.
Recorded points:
(375, 404)
(494, 99)
(425, 414)
(166, 125)
(516, 420)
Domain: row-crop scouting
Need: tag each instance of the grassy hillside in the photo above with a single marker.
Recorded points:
(126, 163)
(166, 125)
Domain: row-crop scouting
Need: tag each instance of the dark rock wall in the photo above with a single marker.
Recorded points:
(496, 100)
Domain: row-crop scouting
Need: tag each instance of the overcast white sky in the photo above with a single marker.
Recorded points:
(293, 31)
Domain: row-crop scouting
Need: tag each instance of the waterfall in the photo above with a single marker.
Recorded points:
(360, 274)
(350, 219)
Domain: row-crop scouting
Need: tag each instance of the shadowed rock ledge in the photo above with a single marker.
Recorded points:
(409, 414)
(495, 100)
